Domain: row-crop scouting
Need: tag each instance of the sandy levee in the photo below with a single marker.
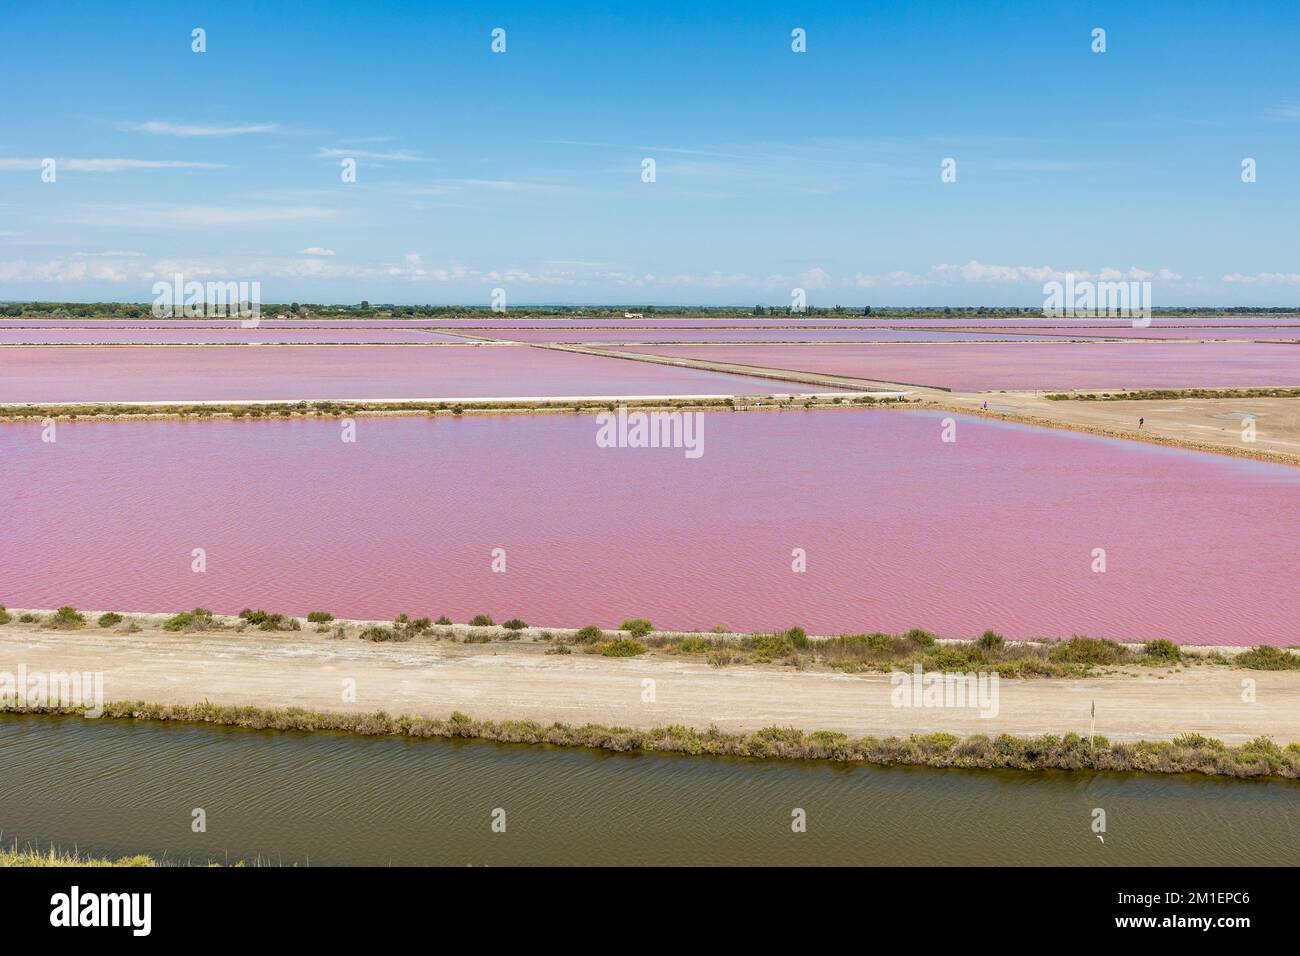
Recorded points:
(520, 680)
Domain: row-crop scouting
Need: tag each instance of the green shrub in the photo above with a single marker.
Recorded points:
(920, 637)
(559, 649)
(270, 622)
(949, 657)
(444, 621)
(27, 618)
(623, 647)
(481, 620)
(320, 617)
(768, 647)
(637, 627)
(199, 619)
(405, 628)
(514, 624)
(379, 634)
(1266, 658)
(694, 645)
(66, 619)
(4, 615)
(1088, 650)
(109, 619)
(991, 641)
(589, 635)
(1162, 650)
(797, 637)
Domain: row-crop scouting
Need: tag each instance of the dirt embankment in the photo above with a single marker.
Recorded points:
(519, 679)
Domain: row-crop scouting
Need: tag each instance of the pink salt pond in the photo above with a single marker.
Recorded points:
(268, 335)
(216, 373)
(1028, 365)
(996, 530)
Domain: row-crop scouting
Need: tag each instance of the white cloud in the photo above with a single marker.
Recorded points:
(315, 251)
(980, 272)
(815, 278)
(160, 215)
(59, 270)
(103, 165)
(400, 156)
(1287, 111)
(163, 128)
(896, 278)
(1264, 278)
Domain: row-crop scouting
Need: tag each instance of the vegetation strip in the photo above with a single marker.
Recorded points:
(333, 408)
(852, 653)
(1165, 394)
(53, 857)
(1189, 753)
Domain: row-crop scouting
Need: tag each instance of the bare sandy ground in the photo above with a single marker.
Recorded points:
(519, 680)
(1213, 423)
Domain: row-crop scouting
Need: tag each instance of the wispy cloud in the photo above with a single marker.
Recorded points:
(162, 215)
(164, 128)
(398, 156)
(315, 251)
(63, 164)
(1288, 111)
(975, 272)
(1263, 278)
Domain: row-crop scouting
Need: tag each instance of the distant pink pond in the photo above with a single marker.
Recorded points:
(216, 373)
(996, 530)
(1201, 333)
(268, 335)
(969, 367)
(810, 334)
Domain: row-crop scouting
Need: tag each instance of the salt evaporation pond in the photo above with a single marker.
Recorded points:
(220, 336)
(1028, 365)
(812, 334)
(996, 530)
(217, 373)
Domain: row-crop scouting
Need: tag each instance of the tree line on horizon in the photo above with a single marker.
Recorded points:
(365, 309)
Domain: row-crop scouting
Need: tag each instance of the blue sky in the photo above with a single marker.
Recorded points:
(523, 170)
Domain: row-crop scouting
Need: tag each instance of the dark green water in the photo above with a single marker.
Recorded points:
(118, 787)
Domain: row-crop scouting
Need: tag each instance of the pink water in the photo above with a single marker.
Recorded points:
(216, 373)
(221, 336)
(1201, 333)
(901, 530)
(813, 334)
(1025, 366)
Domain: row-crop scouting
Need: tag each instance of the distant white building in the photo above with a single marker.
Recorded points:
(634, 315)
